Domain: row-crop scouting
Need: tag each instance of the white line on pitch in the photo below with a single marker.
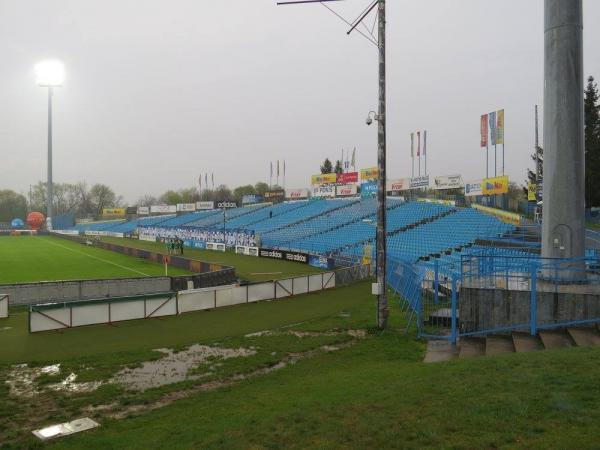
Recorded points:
(99, 259)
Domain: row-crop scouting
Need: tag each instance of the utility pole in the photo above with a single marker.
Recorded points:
(380, 287)
(50, 188)
(537, 156)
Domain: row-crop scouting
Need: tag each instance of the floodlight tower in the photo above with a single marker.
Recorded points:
(49, 74)
(563, 225)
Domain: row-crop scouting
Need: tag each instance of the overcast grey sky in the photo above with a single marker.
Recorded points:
(159, 91)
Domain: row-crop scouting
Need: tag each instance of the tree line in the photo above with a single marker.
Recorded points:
(83, 200)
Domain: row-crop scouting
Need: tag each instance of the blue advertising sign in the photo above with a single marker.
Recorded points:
(321, 262)
(251, 198)
(368, 189)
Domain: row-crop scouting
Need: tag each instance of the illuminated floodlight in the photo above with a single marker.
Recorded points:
(50, 73)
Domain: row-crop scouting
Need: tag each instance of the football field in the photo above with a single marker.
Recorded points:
(44, 258)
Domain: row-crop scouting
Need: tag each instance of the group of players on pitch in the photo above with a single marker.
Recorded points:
(174, 246)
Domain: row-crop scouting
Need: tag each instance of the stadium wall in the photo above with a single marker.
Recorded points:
(3, 306)
(56, 316)
(69, 291)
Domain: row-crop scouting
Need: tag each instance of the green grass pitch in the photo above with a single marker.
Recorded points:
(27, 259)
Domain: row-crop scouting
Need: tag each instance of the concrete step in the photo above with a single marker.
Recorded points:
(496, 344)
(439, 351)
(585, 336)
(525, 342)
(555, 339)
(471, 347)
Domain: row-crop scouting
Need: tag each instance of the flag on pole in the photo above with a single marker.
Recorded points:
(412, 145)
(284, 167)
(277, 167)
(493, 129)
(206, 179)
(354, 158)
(500, 127)
(484, 131)
(212, 175)
(418, 143)
(200, 181)
(271, 168)
(424, 142)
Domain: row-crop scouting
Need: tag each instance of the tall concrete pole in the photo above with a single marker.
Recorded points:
(50, 188)
(563, 227)
(382, 304)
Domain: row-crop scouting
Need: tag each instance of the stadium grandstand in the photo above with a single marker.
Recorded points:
(417, 231)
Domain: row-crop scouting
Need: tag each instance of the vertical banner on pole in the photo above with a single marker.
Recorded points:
(493, 134)
(500, 133)
(425, 149)
(419, 150)
(412, 152)
(484, 141)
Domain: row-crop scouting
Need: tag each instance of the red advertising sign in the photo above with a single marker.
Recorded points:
(345, 178)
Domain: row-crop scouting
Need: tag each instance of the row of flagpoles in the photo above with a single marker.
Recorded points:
(493, 121)
(212, 178)
(277, 173)
(347, 162)
(420, 151)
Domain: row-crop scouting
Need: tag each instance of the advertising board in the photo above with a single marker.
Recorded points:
(496, 185)
(419, 182)
(163, 209)
(369, 174)
(226, 205)
(321, 262)
(143, 210)
(283, 255)
(346, 190)
(249, 199)
(473, 188)
(323, 191)
(448, 182)
(186, 207)
(368, 189)
(296, 194)
(205, 205)
(345, 178)
(402, 184)
(131, 210)
(113, 211)
(324, 178)
(274, 196)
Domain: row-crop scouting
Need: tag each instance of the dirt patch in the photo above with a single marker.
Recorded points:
(174, 366)
(358, 334)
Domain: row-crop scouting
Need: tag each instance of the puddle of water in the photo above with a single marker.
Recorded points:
(174, 367)
(22, 381)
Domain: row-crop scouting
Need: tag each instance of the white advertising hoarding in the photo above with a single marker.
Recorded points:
(163, 209)
(402, 184)
(473, 188)
(296, 194)
(346, 190)
(205, 205)
(143, 210)
(419, 182)
(325, 190)
(186, 207)
(448, 182)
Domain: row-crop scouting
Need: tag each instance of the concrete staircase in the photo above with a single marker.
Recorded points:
(516, 342)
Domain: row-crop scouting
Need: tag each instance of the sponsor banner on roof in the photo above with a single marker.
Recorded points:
(226, 205)
(251, 198)
(113, 211)
(163, 209)
(274, 196)
(324, 178)
(448, 182)
(205, 205)
(473, 188)
(345, 178)
(369, 174)
(131, 210)
(402, 184)
(419, 182)
(143, 210)
(186, 207)
(496, 185)
(323, 191)
(295, 194)
(346, 190)
(368, 189)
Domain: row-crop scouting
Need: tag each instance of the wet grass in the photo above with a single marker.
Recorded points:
(248, 268)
